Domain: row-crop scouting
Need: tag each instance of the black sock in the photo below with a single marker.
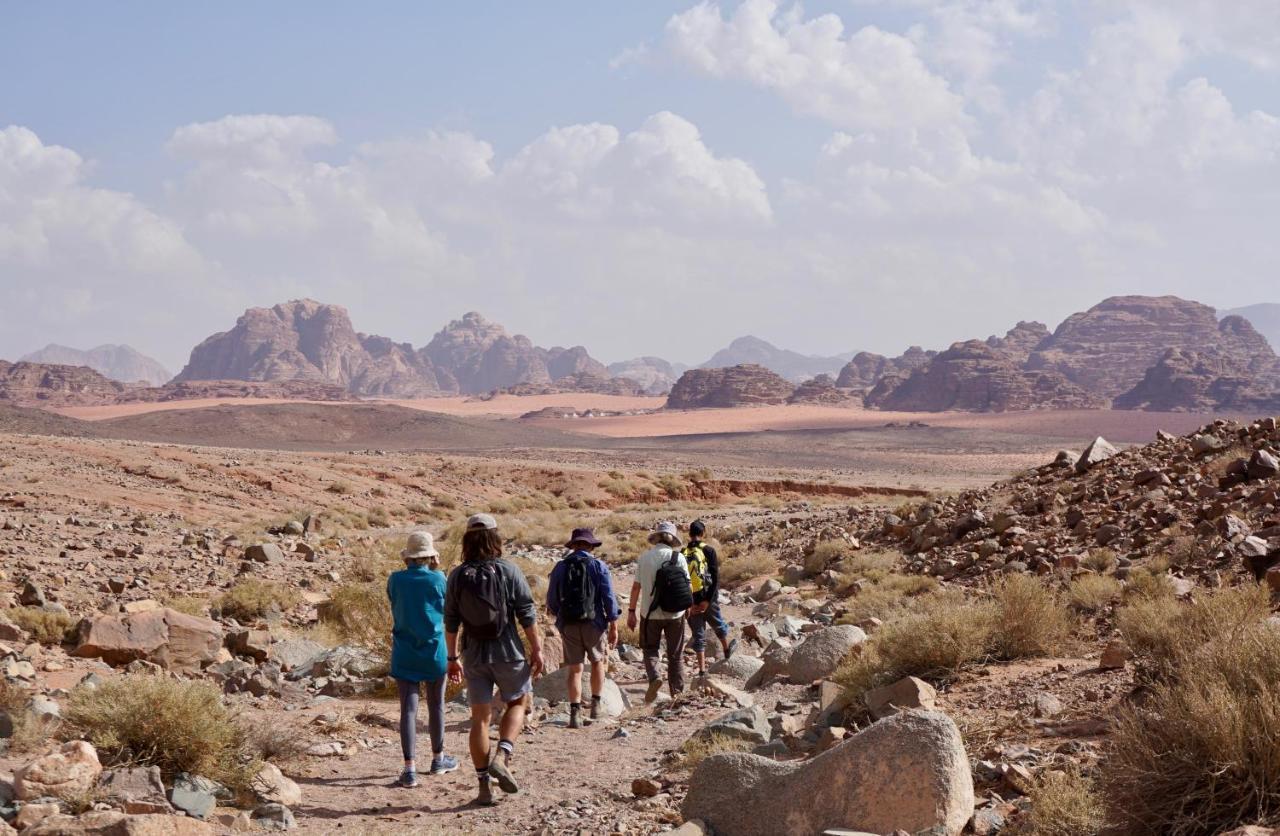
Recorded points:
(574, 706)
(595, 698)
(507, 746)
(482, 772)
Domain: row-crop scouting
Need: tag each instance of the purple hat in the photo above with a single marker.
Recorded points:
(583, 535)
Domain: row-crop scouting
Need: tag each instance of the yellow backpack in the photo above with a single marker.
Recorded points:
(697, 560)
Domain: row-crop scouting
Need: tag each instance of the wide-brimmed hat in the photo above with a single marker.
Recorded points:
(583, 535)
(420, 546)
(480, 522)
(667, 528)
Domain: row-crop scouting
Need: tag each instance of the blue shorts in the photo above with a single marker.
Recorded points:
(512, 679)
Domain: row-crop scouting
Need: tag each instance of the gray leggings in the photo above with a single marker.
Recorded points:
(409, 715)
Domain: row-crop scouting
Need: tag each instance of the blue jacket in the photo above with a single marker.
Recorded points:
(606, 604)
(418, 650)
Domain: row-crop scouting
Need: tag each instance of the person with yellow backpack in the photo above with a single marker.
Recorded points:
(704, 578)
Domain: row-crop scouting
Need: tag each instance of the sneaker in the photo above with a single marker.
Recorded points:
(408, 779)
(443, 763)
(484, 797)
(733, 645)
(502, 774)
(595, 708)
(651, 693)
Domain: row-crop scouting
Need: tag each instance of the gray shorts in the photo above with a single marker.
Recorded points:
(584, 641)
(512, 679)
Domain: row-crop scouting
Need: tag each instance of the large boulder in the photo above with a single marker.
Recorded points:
(1099, 450)
(70, 772)
(115, 823)
(908, 772)
(749, 724)
(171, 639)
(740, 667)
(554, 687)
(821, 652)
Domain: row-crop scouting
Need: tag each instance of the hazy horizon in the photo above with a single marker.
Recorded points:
(656, 179)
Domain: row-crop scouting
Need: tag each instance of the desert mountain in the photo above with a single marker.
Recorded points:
(866, 369)
(790, 364)
(1264, 317)
(654, 375)
(42, 384)
(743, 385)
(118, 362)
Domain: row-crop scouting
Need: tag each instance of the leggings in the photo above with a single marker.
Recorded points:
(409, 715)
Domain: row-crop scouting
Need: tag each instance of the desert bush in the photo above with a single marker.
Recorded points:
(189, 604)
(378, 517)
(176, 725)
(699, 748)
(1063, 804)
(1029, 620)
(673, 486)
(882, 599)
(617, 487)
(29, 731)
(252, 598)
(1091, 593)
(45, 626)
(1101, 561)
(1149, 581)
(871, 565)
(739, 568)
(360, 614)
(341, 488)
(1197, 756)
(825, 554)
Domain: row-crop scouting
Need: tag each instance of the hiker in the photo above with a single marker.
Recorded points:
(416, 593)
(487, 596)
(704, 580)
(580, 596)
(662, 593)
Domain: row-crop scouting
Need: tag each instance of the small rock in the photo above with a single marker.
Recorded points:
(645, 788)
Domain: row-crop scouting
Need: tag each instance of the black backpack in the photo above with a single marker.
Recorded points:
(482, 599)
(577, 589)
(671, 589)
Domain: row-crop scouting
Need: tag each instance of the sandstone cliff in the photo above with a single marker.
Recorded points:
(745, 385)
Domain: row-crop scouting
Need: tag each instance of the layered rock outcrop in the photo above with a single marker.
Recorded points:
(1191, 381)
(745, 385)
(820, 390)
(41, 384)
(865, 370)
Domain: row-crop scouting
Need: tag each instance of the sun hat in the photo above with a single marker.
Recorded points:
(667, 528)
(583, 535)
(480, 522)
(420, 546)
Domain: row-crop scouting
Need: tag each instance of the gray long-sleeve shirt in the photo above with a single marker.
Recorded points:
(520, 611)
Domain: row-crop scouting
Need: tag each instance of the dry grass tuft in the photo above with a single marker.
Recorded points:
(737, 569)
(1092, 593)
(1029, 620)
(698, 748)
(1101, 561)
(252, 598)
(1063, 804)
(360, 614)
(156, 721)
(825, 555)
(30, 733)
(45, 626)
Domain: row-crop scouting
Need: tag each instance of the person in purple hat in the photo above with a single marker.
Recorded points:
(580, 596)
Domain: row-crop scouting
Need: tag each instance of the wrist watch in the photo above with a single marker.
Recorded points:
(451, 658)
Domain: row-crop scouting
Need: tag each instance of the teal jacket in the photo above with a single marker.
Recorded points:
(418, 651)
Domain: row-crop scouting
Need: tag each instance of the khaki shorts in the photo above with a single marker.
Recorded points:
(584, 641)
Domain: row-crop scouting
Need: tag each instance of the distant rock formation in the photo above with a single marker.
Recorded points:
(1265, 318)
(866, 369)
(653, 374)
(789, 364)
(1107, 349)
(743, 385)
(44, 384)
(294, 390)
(822, 390)
(117, 362)
(581, 382)
(1190, 381)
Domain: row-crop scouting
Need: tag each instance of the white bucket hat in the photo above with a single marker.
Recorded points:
(420, 546)
(665, 530)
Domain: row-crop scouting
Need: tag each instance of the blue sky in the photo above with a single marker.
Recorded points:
(925, 170)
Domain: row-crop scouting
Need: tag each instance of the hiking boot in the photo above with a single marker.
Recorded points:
(484, 797)
(574, 722)
(408, 779)
(651, 693)
(443, 763)
(728, 651)
(595, 708)
(501, 772)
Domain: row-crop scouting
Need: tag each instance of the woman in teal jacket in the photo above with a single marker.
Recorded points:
(418, 650)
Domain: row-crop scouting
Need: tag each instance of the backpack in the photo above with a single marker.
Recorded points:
(482, 599)
(577, 589)
(699, 574)
(671, 590)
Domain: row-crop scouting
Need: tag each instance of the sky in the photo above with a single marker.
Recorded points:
(650, 178)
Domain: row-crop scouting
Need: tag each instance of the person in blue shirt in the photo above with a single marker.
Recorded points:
(418, 651)
(580, 596)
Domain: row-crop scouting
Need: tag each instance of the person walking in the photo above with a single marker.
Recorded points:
(580, 596)
(662, 593)
(417, 594)
(486, 598)
(704, 579)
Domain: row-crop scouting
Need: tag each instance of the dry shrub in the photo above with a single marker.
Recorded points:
(341, 488)
(943, 634)
(825, 554)
(740, 568)
(189, 604)
(45, 626)
(1063, 804)
(29, 731)
(874, 566)
(1198, 756)
(1101, 561)
(883, 599)
(700, 747)
(157, 721)
(252, 598)
(360, 614)
(1149, 581)
(274, 741)
(1092, 593)
(1029, 619)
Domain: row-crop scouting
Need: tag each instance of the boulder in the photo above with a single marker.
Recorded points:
(291, 654)
(554, 687)
(271, 785)
(1099, 450)
(70, 772)
(116, 823)
(908, 692)
(1263, 465)
(138, 790)
(256, 644)
(739, 667)
(193, 796)
(264, 553)
(820, 653)
(274, 817)
(165, 637)
(908, 772)
(749, 724)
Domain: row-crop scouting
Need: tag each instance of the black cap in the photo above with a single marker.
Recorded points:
(697, 528)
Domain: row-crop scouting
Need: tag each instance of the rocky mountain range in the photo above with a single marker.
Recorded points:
(1264, 317)
(789, 364)
(117, 362)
